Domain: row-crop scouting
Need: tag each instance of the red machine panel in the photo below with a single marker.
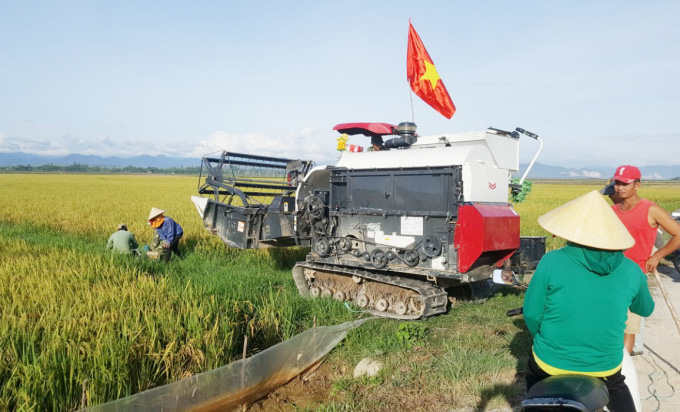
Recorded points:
(380, 129)
(485, 234)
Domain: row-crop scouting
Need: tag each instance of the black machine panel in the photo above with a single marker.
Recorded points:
(413, 191)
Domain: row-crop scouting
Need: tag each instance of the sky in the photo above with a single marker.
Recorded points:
(599, 81)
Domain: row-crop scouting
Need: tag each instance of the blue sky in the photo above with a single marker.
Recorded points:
(598, 80)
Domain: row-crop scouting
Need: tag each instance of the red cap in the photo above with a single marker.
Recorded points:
(627, 174)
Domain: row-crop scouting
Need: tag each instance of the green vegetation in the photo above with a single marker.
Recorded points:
(71, 313)
(519, 196)
(83, 168)
(467, 358)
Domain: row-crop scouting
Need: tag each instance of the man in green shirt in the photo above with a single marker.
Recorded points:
(122, 241)
(576, 304)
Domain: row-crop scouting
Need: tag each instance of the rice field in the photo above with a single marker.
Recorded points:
(73, 316)
(78, 322)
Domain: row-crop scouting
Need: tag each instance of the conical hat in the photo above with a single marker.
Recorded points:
(588, 220)
(155, 212)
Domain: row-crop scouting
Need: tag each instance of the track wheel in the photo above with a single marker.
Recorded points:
(378, 258)
(357, 279)
(431, 246)
(326, 293)
(381, 304)
(339, 296)
(345, 244)
(322, 246)
(314, 206)
(416, 305)
(411, 258)
(362, 301)
(315, 291)
(400, 308)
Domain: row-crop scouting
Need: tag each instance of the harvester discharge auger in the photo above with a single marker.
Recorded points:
(394, 230)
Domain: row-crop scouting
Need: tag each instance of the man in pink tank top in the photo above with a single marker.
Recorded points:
(641, 217)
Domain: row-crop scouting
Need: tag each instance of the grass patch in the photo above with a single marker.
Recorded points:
(471, 357)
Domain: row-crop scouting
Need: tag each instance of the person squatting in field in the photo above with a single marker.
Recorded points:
(122, 241)
(641, 217)
(575, 305)
(169, 231)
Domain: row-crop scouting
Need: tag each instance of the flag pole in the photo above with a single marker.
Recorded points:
(410, 95)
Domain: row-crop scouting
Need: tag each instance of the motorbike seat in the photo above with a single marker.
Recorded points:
(567, 392)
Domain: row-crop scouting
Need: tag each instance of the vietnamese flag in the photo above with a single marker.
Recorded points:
(423, 76)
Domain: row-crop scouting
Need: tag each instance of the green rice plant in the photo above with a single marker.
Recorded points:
(70, 312)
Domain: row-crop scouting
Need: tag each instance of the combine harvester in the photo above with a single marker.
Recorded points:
(393, 231)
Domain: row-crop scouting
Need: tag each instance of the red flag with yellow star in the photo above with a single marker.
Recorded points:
(423, 76)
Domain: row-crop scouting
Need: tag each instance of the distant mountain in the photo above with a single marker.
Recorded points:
(541, 171)
(161, 161)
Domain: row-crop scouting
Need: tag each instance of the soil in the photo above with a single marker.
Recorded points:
(306, 391)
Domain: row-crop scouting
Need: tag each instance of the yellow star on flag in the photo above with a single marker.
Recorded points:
(431, 74)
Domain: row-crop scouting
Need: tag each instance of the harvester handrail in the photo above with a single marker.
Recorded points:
(265, 185)
(277, 161)
(227, 192)
(244, 163)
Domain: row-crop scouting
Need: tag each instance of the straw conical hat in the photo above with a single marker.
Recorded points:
(588, 220)
(155, 212)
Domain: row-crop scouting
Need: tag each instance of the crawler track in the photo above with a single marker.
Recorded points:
(387, 296)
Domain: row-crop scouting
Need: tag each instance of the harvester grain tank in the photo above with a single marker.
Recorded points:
(392, 230)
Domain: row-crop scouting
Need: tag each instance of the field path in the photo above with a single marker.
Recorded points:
(659, 366)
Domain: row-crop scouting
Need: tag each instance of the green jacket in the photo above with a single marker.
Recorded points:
(122, 242)
(576, 304)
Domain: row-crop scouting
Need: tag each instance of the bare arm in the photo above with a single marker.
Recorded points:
(667, 223)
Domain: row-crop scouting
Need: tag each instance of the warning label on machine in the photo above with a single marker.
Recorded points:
(412, 225)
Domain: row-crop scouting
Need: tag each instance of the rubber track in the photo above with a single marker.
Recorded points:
(435, 298)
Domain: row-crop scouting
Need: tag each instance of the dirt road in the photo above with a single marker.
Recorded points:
(658, 368)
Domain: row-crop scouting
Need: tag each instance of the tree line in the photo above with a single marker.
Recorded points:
(83, 168)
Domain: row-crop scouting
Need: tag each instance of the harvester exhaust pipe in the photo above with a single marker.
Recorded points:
(407, 136)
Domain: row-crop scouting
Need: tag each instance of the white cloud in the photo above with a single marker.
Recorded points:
(653, 176)
(308, 144)
(593, 174)
(104, 146)
(319, 145)
(31, 146)
(6, 146)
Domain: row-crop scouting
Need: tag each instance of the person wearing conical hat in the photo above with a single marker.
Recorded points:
(575, 305)
(642, 218)
(169, 231)
(122, 241)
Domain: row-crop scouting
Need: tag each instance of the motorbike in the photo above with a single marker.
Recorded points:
(569, 392)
